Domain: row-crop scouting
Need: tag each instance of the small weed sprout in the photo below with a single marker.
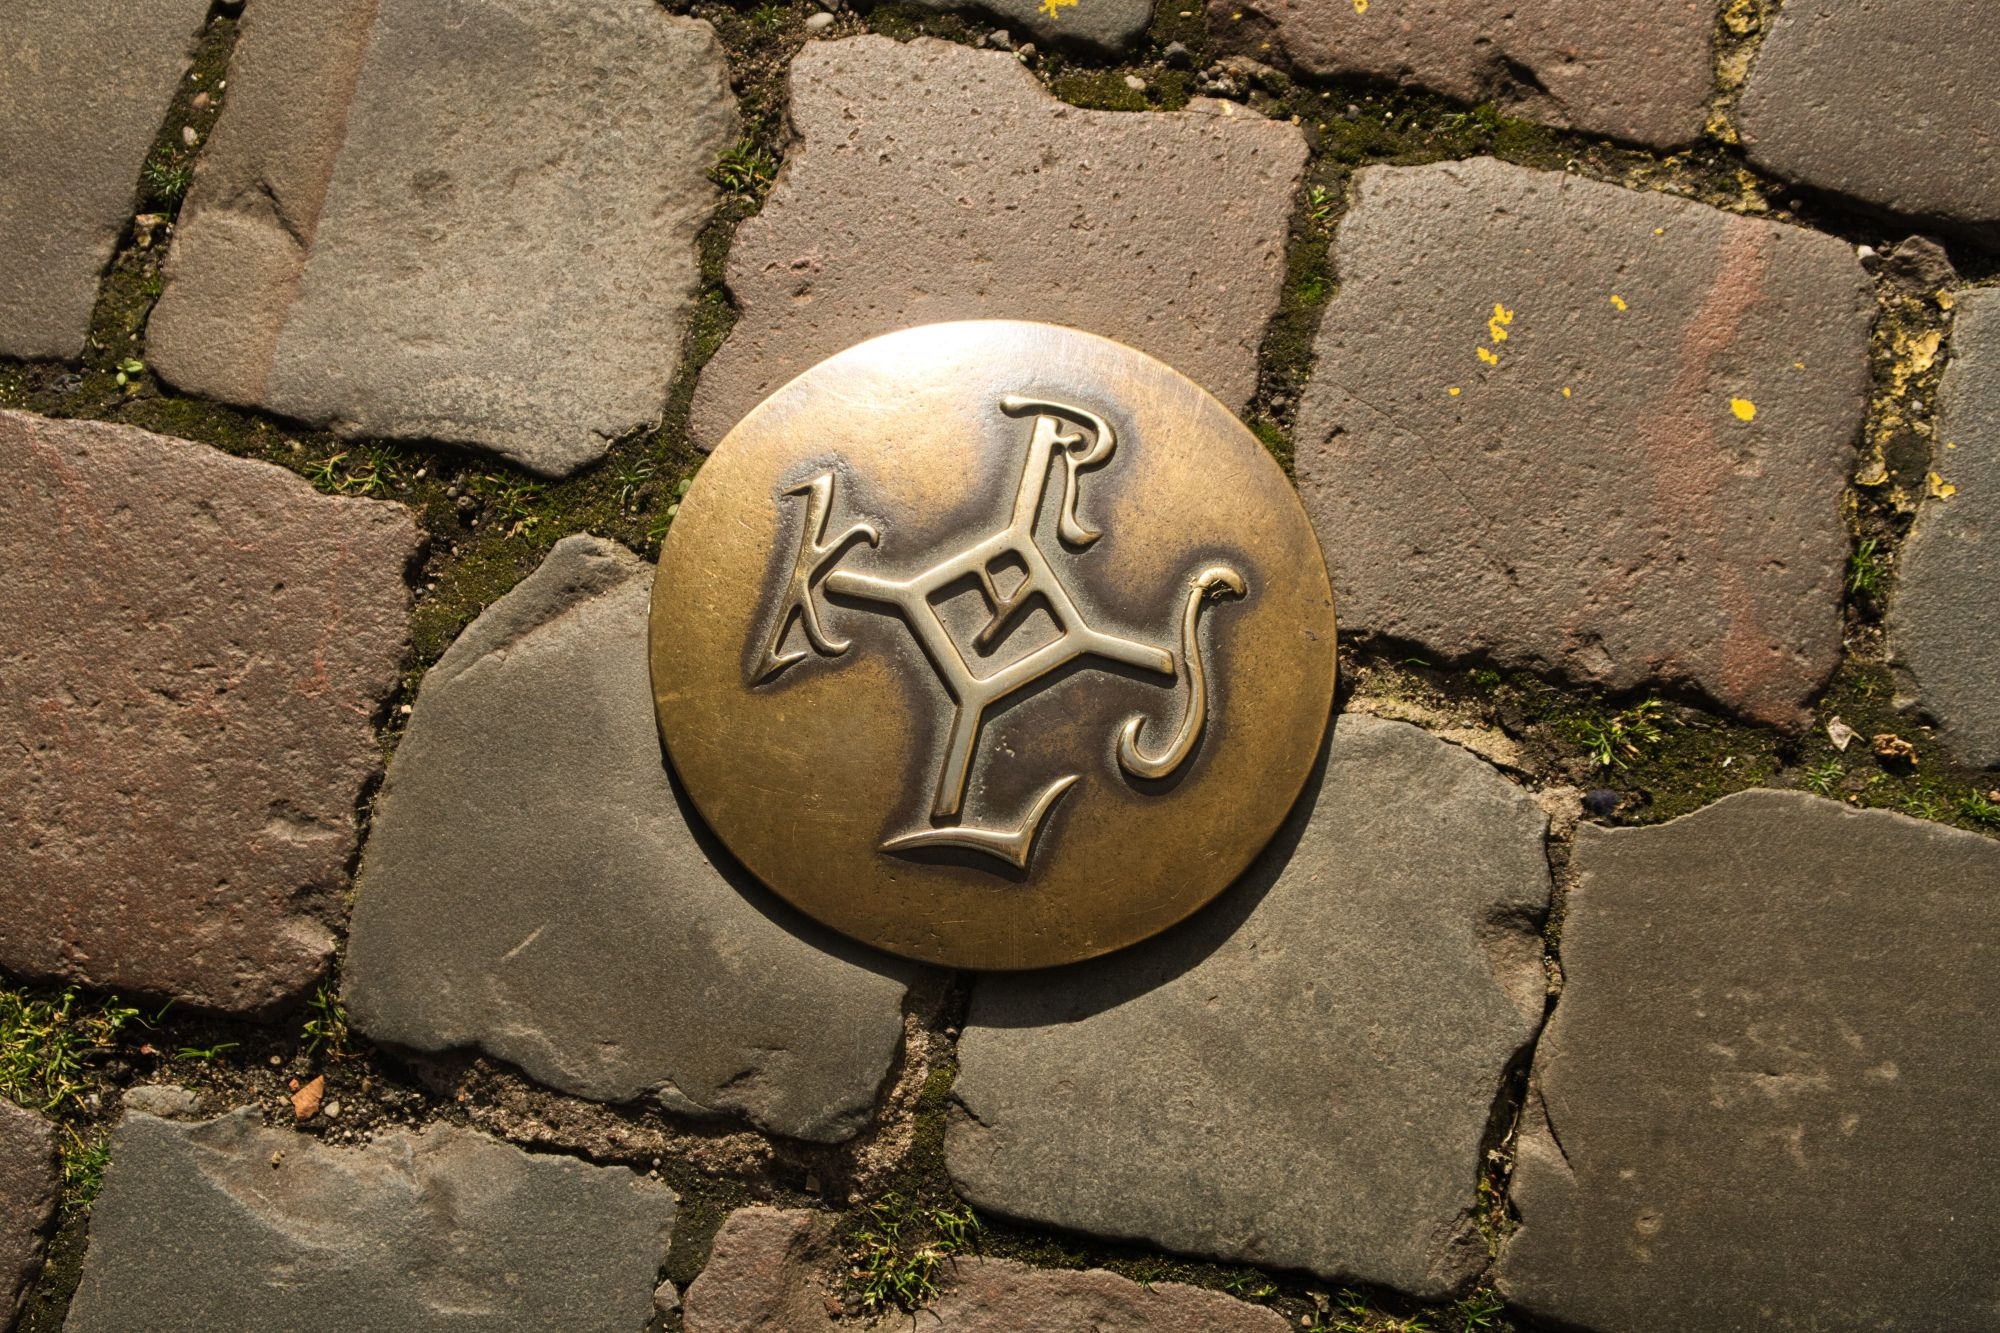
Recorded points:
(204, 1052)
(1321, 206)
(1867, 568)
(744, 169)
(1822, 779)
(1978, 809)
(1482, 1309)
(326, 1023)
(1249, 1285)
(83, 1163)
(336, 476)
(511, 500)
(1926, 805)
(768, 17)
(1613, 740)
(632, 478)
(165, 178)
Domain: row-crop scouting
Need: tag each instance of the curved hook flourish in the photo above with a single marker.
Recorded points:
(1098, 448)
(1211, 581)
(815, 552)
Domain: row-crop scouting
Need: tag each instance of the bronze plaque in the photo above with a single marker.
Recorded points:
(993, 644)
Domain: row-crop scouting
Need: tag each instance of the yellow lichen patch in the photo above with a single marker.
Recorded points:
(1753, 200)
(1618, 301)
(1565, 390)
(1940, 488)
(1361, 6)
(1051, 7)
(1744, 409)
(1454, 391)
(1946, 301)
(1742, 17)
(1496, 330)
(1659, 231)
(1914, 353)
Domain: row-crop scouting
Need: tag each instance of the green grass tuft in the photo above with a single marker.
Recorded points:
(47, 1045)
(902, 1248)
(1625, 735)
(326, 1023)
(745, 169)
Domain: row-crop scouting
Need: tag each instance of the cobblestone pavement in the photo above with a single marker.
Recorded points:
(1628, 964)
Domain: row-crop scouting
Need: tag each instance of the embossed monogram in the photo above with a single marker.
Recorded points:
(1077, 439)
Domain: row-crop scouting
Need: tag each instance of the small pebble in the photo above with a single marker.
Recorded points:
(332, 1111)
(1178, 55)
(819, 22)
(1026, 50)
(1135, 83)
(306, 1101)
(201, 100)
(1600, 801)
(1000, 40)
(188, 136)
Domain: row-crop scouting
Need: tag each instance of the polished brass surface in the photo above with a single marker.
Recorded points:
(963, 713)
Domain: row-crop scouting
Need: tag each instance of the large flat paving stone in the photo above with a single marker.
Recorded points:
(85, 84)
(1944, 621)
(1893, 104)
(28, 1177)
(197, 646)
(223, 1224)
(532, 886)
(773, 1269)
(1105, 27)
(930, 182)
(1580, 429)
(1636, 72)
(1301, 1075)
(1769, 1080)
(479, 231)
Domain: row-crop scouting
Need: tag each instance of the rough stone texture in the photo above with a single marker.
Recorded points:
(1105, 26)
(768, 1269)
(1636, 529)
(1632, 71)
(479, 231)
(85, 84)
(774, 1270)
(1000, 1296)
(196, 645)
(28, 1178)
(169, 1101)
(1301, 1075)
(1944, 620)
(532, 886)
(1892, 103)
(1769, 1080)
(929, 182)
(224, 1224)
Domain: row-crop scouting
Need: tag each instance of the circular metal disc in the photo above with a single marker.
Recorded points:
(993, 644)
